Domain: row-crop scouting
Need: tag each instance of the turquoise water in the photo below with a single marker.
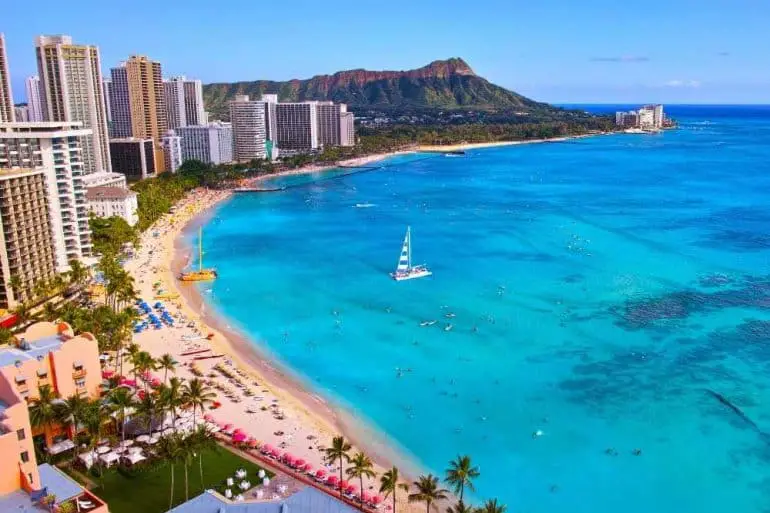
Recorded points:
(600, 287)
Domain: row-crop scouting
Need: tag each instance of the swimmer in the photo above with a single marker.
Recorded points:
(537, 434)
(636, 452)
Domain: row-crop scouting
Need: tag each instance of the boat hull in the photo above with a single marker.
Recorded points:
(411, 275)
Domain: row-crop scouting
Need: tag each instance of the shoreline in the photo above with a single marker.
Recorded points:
(495, 144)
(310, 420)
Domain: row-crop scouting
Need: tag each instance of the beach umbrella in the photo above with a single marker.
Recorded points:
(143, 439)
(350, 489)
(275, 453)
(299, 462)
(332, 481)
(320, 473)
(366, 497)
(239, 437)
(308, 468)
(344, 484)
(266, 448)
(261, 473)
(377, 499)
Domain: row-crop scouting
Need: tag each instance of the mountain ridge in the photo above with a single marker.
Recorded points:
(441, 84)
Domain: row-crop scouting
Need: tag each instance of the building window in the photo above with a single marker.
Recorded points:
(80, 383)
(24, 457)
(31, 481)
(20, 434)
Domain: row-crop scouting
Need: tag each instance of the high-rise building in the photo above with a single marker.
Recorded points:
(248, 120)
(120, 108)
(329, 123)
(134, 157)
(211, 143)
(296, 126)
(107, 92)
(184, 102)
(347, 129)
(26, 247)
(71, 91)
(270, 100)
(147, 103)
(32, 86)
(6, 95)
(56, 148)
(172, 150)
(21, 113)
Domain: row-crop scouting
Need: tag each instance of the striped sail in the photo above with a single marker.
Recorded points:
(404, 261)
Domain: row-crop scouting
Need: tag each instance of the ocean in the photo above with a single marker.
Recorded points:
(611, 292)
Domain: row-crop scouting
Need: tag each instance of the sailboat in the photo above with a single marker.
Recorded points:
(201, 274)
(405, 269)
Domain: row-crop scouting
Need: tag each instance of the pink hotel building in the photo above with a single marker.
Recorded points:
(46, 354)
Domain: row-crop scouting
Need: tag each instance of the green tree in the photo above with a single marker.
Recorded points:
(460, 475)
(202, 440)
(491, 506)
(78, 274)
(390, 483)
(6, 336)
(428, 491)
(171, 397)
(42, 411)
(167, 363)
(460, 507)
(170, 450)
(121, 399)
(197, 394)
(361, 466)
(69, 412)
(338, 452)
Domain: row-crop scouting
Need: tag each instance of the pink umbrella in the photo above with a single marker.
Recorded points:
(320, 473)
(350, 489)
(239, 437)
(377, 499)
(307, 467)
(332, 481)
(367, 497)
(227, 427)
(107, 374)
(253, 443)
(289, 460)
(275, 453)
(266, 448)
(299, 462)
(344, 484)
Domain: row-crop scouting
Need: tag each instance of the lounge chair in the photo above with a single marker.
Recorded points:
(85, 504)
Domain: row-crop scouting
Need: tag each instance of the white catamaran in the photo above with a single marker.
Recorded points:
(405, 270)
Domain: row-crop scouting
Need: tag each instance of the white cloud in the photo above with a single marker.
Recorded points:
(683, 83)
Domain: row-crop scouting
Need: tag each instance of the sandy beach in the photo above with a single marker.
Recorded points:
(277, 409)
(474, 146)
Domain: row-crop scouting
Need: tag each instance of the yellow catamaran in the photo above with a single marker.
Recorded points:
(201, 274)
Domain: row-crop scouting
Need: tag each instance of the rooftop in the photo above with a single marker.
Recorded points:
(97, 193)
(307, 500)
(37, 348)
(18, 502)
(129, 140)
(58, 483)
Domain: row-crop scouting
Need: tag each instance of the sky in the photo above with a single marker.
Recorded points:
(559, 51)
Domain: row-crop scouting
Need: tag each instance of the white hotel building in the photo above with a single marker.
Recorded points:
(211, 143)
(249, 128)
(55, 147)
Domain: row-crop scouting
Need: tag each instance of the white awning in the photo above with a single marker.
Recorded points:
(60, 447)
(20, 379)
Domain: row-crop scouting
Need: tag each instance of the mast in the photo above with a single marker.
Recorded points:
(409, 247)
(200, 249)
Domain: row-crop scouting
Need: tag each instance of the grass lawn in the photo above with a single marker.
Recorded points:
(149, 491)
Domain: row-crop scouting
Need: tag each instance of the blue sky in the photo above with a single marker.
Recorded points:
(606, 51)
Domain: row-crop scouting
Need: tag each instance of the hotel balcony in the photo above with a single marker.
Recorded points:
(79, 373)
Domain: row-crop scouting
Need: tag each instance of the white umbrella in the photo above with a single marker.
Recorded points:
(102, 450)
(239, 498)
(143, 439)
(228, 493)
(261, 473)
(240, 473)
(153, 440)
(126, 443)
(229, 481)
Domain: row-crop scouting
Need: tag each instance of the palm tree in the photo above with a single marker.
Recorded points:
(461, 474)
(171, 397)
(167, 363)
(360, 466)
(15, 283)
(389, 484)
(78, 273)
(338, 452)
(146, 409)
(143, 362)
(119, 400)
(202, 441)
(6, 336)
(170, 450)
(491, 506)
(69, 412)
(186, 453)
(49, 312)
(197, 394)
(23, 314)
(131, 351)
(460, 507)
(42, 411)
(95, 415)
(428, 491)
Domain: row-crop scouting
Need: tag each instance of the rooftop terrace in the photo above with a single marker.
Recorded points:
(37, 349)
